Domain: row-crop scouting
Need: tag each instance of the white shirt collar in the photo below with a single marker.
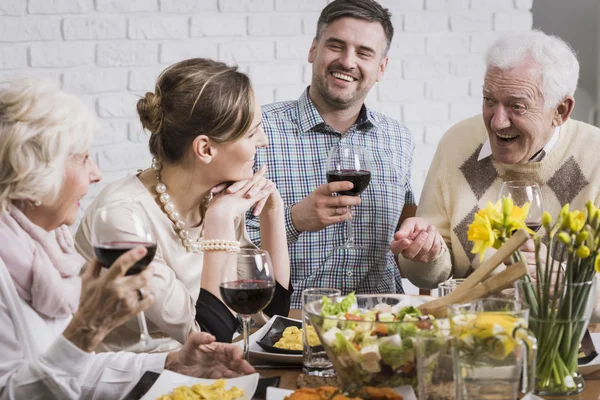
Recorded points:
(486, 150)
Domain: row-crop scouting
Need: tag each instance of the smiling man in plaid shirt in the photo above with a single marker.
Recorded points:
(349, 54)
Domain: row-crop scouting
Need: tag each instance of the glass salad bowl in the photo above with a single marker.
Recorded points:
(371, 339)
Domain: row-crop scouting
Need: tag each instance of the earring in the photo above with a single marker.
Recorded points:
(37, 203)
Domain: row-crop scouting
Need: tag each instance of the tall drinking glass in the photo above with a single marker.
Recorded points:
(116, 229)
(449, 286)
(523, 192)
(314, 358)
(349, 163)
(247, 285)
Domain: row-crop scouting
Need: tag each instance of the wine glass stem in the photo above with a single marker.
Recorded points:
(349, 230)
(246, 326)
(144, 334)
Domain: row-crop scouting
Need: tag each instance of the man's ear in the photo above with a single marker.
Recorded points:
(204, 149)
(563, 111)
(382, 68)
(312, 51)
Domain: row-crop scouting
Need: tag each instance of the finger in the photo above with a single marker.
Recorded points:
(255, 178)
(92, 270)
(259, 206)
(257, 187)
(219, 188)
(398, 246)
(428, 244)
(415, 247)
(335, 187)
(242, 367)
(141, 280)
(437, 247)
(237, 186)
(406, 229)
(197, 339)
(126, 261)
(343, 201)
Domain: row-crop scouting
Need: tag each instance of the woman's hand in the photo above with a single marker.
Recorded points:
(108, 300)
(202, 357)
(239, 197)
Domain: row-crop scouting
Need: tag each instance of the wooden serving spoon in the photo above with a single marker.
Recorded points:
(484, 270)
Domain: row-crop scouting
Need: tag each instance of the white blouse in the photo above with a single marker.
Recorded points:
(37, 362)
(177, 273)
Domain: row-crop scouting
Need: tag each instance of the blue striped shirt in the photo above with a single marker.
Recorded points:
(299, 143)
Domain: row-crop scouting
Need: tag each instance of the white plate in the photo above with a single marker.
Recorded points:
(259, 353)
(167, 381)
(279, 394)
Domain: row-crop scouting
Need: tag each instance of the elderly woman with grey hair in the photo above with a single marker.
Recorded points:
(524, 133)
(51, 319)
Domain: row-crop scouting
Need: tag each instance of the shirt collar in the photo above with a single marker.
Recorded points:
(310, 119)
(486, 149)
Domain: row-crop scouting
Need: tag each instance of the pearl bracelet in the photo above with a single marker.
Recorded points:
(232, 246)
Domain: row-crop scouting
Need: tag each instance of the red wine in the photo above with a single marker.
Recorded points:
(107, 254)
(534, 226)
(360, 180)
(247, 297)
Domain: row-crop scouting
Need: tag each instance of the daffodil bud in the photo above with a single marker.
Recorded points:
(581, 236)
(564, 210)
(583, 252)
(591, 209)
(576, 221)
(566, 222)
(546, 220)
(507, 206)
(597, 264)
(564, 237)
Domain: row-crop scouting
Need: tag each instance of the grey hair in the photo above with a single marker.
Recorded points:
(40, 128)
(556, 61)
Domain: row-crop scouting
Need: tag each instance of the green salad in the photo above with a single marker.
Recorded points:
(375, 346)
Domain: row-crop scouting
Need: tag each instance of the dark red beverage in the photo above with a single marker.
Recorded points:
(107, 254)
(360, 180)
(247, 297)
(534, 226)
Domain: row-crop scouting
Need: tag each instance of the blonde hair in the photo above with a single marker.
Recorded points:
(40, 128)
(196, 97)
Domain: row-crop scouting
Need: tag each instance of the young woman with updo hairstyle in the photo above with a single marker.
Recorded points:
(205, 127)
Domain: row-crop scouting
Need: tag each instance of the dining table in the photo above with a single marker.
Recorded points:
(289, 376)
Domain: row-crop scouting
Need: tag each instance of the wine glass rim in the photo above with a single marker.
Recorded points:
(520, 183)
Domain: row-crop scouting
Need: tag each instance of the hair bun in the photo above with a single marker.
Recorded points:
(150, 112)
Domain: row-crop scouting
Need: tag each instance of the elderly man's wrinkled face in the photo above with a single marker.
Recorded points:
(517, 122)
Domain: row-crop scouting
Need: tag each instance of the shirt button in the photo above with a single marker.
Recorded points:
(349, 273)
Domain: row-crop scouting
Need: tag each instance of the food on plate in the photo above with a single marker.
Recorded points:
(333, 393)
(373, 346)
(291, 339)
(215, 391)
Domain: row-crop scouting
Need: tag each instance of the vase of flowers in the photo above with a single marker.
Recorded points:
(560, 293)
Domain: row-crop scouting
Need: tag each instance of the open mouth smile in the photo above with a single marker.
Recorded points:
(343, 77)
(505, 138)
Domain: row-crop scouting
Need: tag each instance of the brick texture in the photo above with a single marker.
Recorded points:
(110, 52)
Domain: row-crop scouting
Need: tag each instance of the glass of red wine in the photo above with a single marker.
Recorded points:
(116, 229)
(247, 285)
(349, 163)
(523, 192)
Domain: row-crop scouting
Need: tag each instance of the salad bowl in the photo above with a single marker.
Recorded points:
(371, 339)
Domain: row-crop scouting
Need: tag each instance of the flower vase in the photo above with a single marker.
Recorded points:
(559, 317)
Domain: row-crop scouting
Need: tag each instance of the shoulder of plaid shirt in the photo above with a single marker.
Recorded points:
(299, 143)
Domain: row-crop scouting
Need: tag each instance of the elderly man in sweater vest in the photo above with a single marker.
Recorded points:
(524, 133)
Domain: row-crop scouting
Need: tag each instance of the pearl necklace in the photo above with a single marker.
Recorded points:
(172, 213)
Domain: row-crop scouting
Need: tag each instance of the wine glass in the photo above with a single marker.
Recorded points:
(247, 285)
(116, 229)
(523, 192)
(349, 163)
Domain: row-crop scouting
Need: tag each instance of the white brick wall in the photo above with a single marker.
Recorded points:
(111, 51)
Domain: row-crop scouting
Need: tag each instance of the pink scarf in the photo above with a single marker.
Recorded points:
(43, 265)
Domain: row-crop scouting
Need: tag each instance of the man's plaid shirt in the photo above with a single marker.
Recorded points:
(299, 143)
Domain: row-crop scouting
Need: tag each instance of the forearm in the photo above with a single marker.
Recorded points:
(427, 275)
(84, 333)
(273, 239)
(216, 227)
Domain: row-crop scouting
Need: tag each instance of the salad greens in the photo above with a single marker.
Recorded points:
(374, 346)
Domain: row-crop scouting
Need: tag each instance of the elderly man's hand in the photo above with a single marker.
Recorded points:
(202, 357)
(320, 209)
(417, 240)
(528, 251)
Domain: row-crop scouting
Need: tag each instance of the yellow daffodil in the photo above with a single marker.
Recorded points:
(576, 221)
(546, 220)
(583, 252)
(597, 264)
(481, 234)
